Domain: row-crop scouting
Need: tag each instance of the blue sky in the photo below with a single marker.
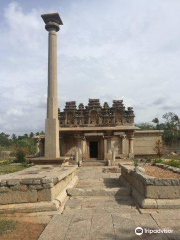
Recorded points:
(120, 49)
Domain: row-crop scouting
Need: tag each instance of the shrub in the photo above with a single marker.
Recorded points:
(173, 163)
(147, 159)
(135, 161)
(20, 154)
(159, 148)
(156, 160)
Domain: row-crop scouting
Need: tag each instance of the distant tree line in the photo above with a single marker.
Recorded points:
(170, 125)
(14, 142)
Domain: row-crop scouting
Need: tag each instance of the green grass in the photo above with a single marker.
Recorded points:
(173, 163)
(6, 167)
(171, 157)
(7, 225)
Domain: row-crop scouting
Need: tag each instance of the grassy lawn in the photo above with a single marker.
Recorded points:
(7, 226)
(7, 167)
(16, 230)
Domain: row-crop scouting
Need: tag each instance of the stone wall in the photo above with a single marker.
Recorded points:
(151, 192)
(145, 141)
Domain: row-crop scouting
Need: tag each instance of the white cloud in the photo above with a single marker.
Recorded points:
(123, 49)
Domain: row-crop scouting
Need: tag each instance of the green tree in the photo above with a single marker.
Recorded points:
(4, 140)
(27, 143)
(14, 137)
(26, 135)
(145, 126)
(172, 121)
(155, 120)
(31, 135)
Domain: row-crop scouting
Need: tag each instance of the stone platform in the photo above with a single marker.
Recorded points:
(38, 188)
(151, 192)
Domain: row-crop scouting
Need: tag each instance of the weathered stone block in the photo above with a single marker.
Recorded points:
(36, 187)
(162, 192)
(4, 189)
(47, 180)
(31, 181)
(19, 188)
(48, 185)
(45, 195)
(3, 183)
(12, 197)
(12, 182)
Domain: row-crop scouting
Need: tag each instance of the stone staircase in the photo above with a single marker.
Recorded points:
(90, 163)
(117, 193)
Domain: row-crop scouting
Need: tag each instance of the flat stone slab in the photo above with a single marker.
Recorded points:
(85, 225)
(116, 192)
(37, 174)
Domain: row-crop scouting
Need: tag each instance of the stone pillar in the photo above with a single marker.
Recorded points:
(123, 138)
(109, 146)
(76, 155)
(79, 149)
(105, 148)
(131, 147)
(84, 148)
(113, 156)
(38, 146)
(52, 22)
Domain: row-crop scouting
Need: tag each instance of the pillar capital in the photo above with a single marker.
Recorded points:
(52, 21)
(130, 135)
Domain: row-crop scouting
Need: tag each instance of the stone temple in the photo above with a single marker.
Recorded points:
(92, 132)
(96, 131)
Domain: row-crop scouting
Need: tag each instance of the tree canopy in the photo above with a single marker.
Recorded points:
(171, 127)
(25, 141)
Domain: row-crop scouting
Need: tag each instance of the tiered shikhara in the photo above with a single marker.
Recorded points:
(95, 115)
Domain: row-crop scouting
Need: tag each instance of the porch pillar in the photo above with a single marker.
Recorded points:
(38, 146)
(84, 148)
(131, 147)
(105, 148)
(110, 146)
(79, 147)
(123, 138)
(113, 157)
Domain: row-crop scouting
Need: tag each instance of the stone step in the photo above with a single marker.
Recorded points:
(94, 163)
(113, 192)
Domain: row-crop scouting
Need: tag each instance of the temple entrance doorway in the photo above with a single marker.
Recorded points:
(93, 149)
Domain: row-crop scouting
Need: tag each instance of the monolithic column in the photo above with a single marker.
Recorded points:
(131, 147)
(52, 22)
(123, 138)
(105, 148)
(113, 156)
(38, 146)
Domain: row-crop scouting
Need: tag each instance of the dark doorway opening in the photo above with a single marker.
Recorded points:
(93, 147)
